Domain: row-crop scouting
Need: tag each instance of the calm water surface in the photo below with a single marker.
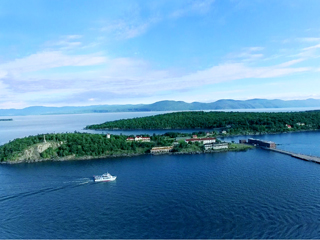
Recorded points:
(253, 194)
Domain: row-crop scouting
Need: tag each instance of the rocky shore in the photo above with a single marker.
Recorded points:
(36, 155)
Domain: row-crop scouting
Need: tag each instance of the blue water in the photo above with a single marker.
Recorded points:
(252, 194)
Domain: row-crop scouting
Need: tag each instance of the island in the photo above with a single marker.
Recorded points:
(5, 119)
(78, 146)
(222, 123)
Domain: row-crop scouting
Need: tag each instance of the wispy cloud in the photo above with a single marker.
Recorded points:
(312, 47)
(124, 29)
(127, 78)
(310, 52)
(231, 72)
(3, 73)
(119, 77)
(65, 42)
(134, 24)
(309, 39)
(193, 7)
(48, 60)
(247, 54)
(290, 63)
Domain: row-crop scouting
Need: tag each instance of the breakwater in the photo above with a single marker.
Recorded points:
(271, 146)
(295, 155)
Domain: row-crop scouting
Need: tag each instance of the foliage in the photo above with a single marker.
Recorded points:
(232, 122)
(93, 145)
(76, 144)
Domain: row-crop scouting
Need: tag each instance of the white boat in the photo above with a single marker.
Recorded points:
(106, 177)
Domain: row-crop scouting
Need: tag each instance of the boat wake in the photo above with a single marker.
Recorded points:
(67, 185)
(80, 181)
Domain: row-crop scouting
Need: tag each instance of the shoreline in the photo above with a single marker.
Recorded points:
(271, 133)
(218, 135)
(72, 158)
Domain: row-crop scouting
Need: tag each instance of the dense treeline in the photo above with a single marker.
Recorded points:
(234, 122)
(81, 144)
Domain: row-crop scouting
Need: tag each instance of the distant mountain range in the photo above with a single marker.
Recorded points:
(165, 106)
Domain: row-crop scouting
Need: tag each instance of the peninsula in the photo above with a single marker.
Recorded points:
(76, 146)
(222, 123)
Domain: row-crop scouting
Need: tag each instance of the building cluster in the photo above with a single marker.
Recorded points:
(298, 124)
(261, 143)
(201, 140)
(208, 143)
(139, 138)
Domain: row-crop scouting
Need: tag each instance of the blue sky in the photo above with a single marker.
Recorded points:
(76, 53)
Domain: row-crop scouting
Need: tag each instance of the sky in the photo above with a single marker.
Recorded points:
(80, 52)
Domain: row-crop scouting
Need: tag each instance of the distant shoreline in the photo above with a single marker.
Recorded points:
(169, 105)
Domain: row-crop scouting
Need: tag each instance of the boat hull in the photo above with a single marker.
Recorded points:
(104, 180)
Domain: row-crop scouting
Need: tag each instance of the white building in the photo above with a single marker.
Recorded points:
(161, 149)
(142, 139)
(216, 146)
(201, 140)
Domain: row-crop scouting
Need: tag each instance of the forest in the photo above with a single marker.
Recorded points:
(233, 123)
(77, 144)
(82, 145)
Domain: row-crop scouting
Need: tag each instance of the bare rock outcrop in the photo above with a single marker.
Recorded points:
(33, 153)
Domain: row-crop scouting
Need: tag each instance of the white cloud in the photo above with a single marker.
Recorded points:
(284, 95)
(290, 63)
(247, 54)
(125, 76)
(135, 77)
(121, 77)
(48, 60)
(65, 42)
(134, 24)
(311, 48)
(126, 29)
(231, 72)
(310, 39)
(195, 7)
(3, 73)
(310, 52)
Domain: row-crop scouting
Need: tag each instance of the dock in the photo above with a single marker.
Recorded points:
(296, 155)
(271, 146)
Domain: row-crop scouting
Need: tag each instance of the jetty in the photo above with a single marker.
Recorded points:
(271, 146)
(296, 155)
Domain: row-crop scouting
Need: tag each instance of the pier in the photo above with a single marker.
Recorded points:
(271, 146)
(295, 155)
